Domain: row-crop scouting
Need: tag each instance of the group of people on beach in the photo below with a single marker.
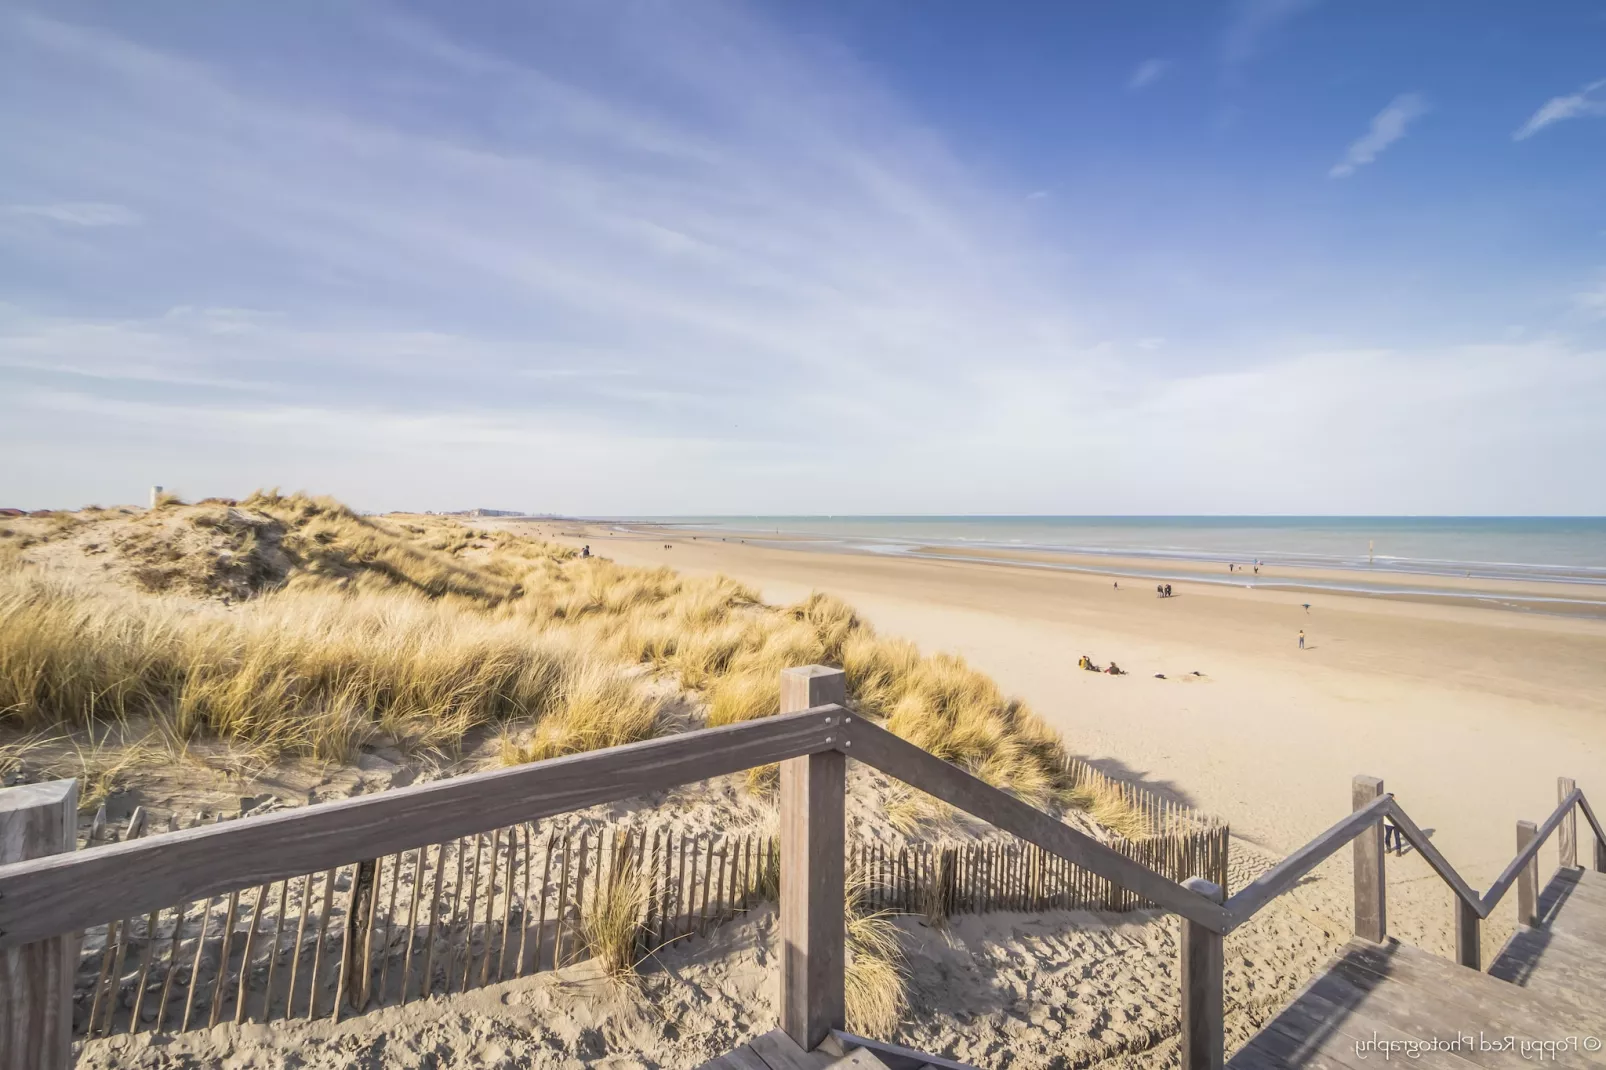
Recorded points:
(1085, 662)
(1233, 566)
(1163, 590)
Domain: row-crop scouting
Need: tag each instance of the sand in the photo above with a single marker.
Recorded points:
(1469, 712)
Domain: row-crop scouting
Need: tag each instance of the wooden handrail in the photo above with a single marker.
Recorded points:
(1503, 883)
(60, 894)
(1285, 874)
(1434, 857)
(875, 746)
(66, 892)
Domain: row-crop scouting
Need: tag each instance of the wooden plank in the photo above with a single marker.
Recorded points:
(540, 921)
(317, 947)
(778, 1050)
(1478, 996)
(895, 1055)
(36, 977)
(812, 906)
(1371, 887)
(1202, 970)
(898, 758)
(273, 953)
(44, 897)
(245, 957)
(390, 917)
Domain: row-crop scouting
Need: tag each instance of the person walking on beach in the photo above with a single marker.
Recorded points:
(1302, 639)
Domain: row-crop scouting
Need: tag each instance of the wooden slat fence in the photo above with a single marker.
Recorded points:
(513, 901)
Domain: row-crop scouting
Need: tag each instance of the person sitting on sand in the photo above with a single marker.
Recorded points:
(1115, 670)
(1087, 663)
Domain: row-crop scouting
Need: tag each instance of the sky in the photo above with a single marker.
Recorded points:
(656, 257)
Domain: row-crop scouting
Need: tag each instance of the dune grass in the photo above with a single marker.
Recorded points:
(612, 923)
(291, 623)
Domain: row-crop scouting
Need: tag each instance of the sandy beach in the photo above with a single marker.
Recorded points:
(1468, 711)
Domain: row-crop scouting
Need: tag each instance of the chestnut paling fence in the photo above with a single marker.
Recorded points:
(482, 909)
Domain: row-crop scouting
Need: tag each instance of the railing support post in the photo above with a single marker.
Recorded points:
(1371, 893)
(1527, 877)
(813, 848)
(36, 979)
(1468, 935)
(1567, 834)
(1203, 1010)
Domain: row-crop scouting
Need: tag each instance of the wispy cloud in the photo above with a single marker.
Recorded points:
(78, 214)
(1388, 126)
(1587, 101)
(1147, 73)
(1252, 22)
(1592, 301)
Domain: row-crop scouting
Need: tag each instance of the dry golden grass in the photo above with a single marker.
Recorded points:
(612, 922)
(873, 981)
(339, 628)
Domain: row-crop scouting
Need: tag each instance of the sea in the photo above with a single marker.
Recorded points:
(1393, 549)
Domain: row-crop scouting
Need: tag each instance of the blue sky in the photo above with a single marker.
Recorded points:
(1261, 256)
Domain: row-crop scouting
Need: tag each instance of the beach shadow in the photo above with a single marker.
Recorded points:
(1119, 770)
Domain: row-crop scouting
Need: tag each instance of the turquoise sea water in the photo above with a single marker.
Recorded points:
(1562, 549)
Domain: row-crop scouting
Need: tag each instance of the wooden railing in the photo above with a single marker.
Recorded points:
(55, 892)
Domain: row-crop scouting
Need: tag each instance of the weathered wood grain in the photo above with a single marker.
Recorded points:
(48, 896)
(1202, 968)
(37, 820)
(812, 908)
(1371, 886)
(1567, 833)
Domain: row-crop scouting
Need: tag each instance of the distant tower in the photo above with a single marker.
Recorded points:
(156, 496)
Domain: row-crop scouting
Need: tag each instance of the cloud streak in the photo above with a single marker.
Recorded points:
(78, 214)
(1590, 100)
(1147, 73)
(1253, 22)
(1388, 126)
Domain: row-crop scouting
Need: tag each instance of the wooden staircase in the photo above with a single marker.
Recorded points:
(1543, 999)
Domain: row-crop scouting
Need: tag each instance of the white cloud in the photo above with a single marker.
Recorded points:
(741, 279)
(1592, 301)
(1147, 73)
(79, 214)
(1253, 21)
(1582, 103)
(1388, 126)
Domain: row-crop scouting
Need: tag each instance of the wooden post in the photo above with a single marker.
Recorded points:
(1567, 834)
(1528, 877)
(1371, 893)
(1468, 949)
(807, 686)
(1203, 1011)
(36, 979)
(813, 839)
